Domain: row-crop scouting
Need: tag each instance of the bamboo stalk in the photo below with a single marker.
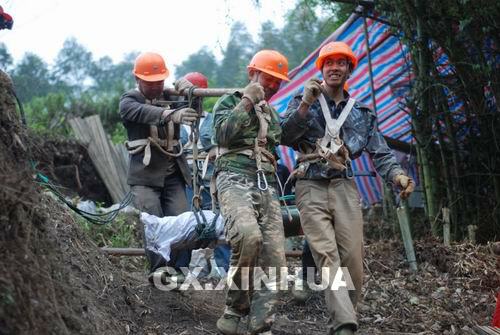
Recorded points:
(446, 226)
(404, 225)
(471, 230)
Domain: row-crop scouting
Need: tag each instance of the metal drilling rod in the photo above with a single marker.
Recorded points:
(206, 92)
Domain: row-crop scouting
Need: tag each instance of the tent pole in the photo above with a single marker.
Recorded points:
(368, 54)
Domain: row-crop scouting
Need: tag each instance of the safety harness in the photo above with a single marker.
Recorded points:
(257, 151)
(165, 146)
(330, 147)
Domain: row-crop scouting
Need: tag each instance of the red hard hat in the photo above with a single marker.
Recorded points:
(197, 79)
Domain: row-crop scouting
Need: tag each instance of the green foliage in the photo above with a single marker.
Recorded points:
(120, 233)
(119, 134)
(208, 103)
(202, 61)
(73, 65)
(237, 54)
(31, 78)
(46, 115)
(6, 60)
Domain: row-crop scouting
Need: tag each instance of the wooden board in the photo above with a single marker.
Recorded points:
(108, 159)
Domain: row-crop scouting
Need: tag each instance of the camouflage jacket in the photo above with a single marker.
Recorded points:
(235, 128)
(359, 132)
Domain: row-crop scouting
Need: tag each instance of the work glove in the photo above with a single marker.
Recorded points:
(182, 85)
(312, 90)
(406, 184)
(254, 92)
(185, 116)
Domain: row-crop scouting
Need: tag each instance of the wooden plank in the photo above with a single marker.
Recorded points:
(140, 252)
(109, 164)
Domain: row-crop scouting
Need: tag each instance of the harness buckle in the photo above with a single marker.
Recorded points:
(261, 180)
(349, 173)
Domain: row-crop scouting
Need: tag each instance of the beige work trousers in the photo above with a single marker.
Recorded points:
(332, 221)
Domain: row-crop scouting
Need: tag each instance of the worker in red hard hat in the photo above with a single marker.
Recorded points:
(6, 20)
(158, 170)
(329, 129)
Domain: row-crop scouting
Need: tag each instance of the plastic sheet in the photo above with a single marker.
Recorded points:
(175, 232)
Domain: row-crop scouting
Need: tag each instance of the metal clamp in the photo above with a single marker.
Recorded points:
(261, 180)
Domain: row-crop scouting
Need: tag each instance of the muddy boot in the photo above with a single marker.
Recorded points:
(301, 296)
(164, 278)
(228, 324)
(344, 331)
(301, 291)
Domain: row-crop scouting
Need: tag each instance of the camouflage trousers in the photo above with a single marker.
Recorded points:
(254, 229)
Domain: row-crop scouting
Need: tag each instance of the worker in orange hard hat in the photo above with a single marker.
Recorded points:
(331, 129)
(247, 131)
(158, 170)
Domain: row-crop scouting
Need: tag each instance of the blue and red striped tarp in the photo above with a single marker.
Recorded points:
(391, 69)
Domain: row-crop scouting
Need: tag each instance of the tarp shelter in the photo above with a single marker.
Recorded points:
(391, 70)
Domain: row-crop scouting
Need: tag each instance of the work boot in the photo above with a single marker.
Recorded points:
(301, 296)
(167, 278)
(344, 331)
(301, 291)
(228, 324)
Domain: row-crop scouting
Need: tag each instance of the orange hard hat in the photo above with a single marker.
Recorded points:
(270, 62)
(336, 48)
(197, 79)
(150, 66)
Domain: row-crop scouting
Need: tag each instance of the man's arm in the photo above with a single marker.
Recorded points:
(295, 123)
(133, 110)
(383, 158)
(231, 116)
(206, 131)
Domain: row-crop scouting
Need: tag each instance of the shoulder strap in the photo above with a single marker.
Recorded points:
(332, 124)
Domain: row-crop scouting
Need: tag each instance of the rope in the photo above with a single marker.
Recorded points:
(205, 231)
(95, 218)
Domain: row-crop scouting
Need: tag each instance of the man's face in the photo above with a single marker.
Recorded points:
(270, 84)
(335, 71)
(150, 89)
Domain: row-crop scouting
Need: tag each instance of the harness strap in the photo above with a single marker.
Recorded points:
(332, 126)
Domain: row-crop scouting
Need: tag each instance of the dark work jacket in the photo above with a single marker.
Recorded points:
(359, 133)
(137, 117)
